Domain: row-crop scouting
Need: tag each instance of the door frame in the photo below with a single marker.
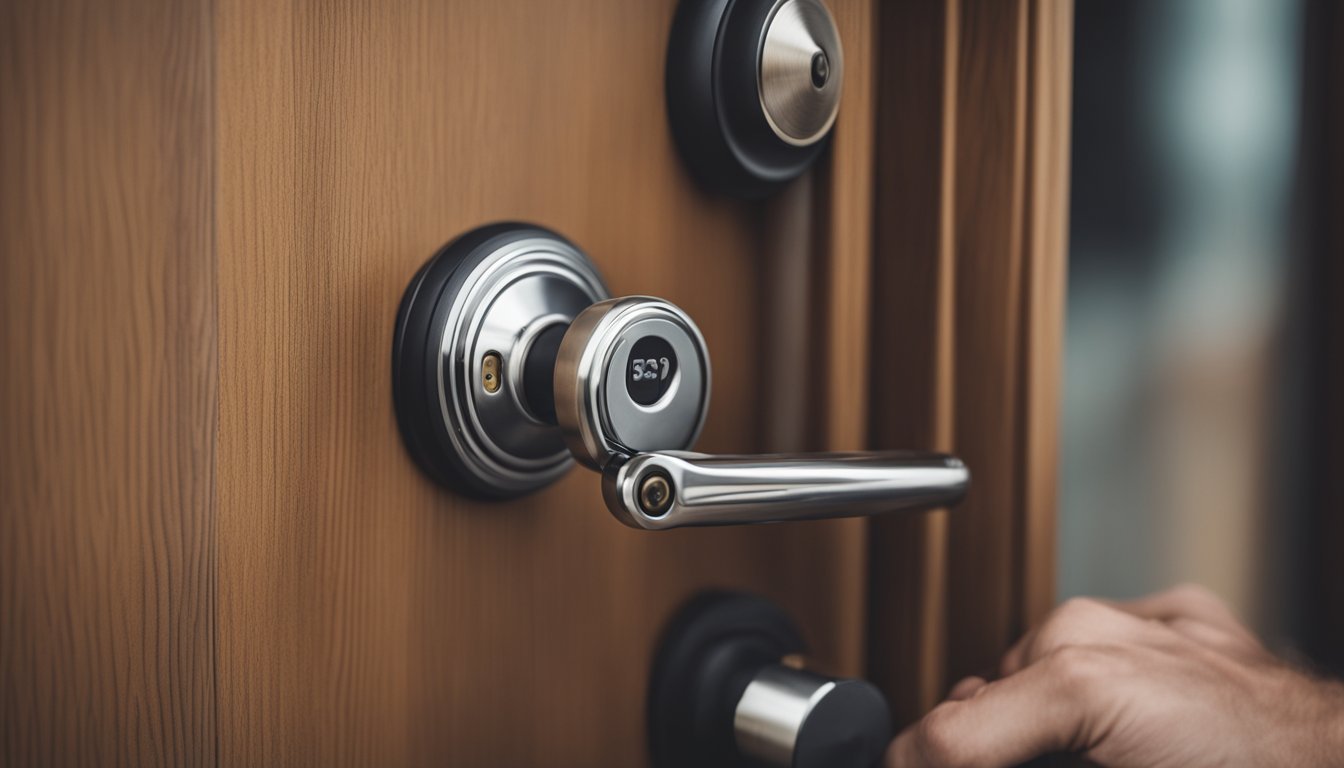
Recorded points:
(967, 328)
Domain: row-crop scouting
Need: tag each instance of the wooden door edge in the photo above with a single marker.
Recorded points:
(970, 213)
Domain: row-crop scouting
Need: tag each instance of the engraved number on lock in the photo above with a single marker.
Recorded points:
(648, 370)
(651, 370)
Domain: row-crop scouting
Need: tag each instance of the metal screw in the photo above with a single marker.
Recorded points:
(655, 494)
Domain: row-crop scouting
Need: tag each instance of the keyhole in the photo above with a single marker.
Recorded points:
(821, 70)
(655, 494)
(490, 367)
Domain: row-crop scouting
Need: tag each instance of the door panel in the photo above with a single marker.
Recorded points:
(215, 548)
(969, 294)
(107, 385)
(367, 615)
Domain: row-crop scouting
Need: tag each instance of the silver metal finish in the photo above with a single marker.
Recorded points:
(734, 490)
(599, 419)
(800, 71)
(772, 710)
(631, 387)
(503, 303)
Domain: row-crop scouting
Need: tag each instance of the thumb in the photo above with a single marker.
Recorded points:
(1010, 721)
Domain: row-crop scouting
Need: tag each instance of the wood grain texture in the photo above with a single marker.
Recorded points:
(989, 210)
(107, 369)
(845, 253)
(912, 332)
(842, 262)
(365, 615)
(1045, 261)
(214, 546)
(969, 319)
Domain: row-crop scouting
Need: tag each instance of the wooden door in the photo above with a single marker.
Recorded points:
(968, 323)
(215, 548)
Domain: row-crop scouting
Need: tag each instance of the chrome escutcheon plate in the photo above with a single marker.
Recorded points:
(463, 330)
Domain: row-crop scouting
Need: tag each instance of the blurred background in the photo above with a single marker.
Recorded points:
(1199, 427)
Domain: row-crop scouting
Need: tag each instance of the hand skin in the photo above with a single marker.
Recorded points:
(1171, 679)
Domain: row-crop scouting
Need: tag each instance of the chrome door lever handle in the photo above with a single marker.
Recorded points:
(672, 489)
(510, 362)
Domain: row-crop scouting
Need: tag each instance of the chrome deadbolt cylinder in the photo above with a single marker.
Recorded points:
(753, 89)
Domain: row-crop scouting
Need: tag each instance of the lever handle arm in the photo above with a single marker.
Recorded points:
(672, 489)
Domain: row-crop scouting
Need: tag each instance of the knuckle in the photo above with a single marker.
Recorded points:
(938, 742)
(1076, 607)
(1072, 615)
(1080, 670)
(1196, 593)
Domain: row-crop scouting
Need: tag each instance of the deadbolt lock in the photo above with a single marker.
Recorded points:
(510, 361)
(753, 88)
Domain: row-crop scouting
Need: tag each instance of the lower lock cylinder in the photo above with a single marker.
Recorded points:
(727, 690)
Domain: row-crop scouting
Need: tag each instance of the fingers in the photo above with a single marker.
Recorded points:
(1190, 611)
(966, 688)
(1185, 606)
(1016, 657)
(1187, 601)
(1045, 708)
(1214, 638)
(1076, 621)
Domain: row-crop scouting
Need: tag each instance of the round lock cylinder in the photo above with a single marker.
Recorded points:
(727, 689)
(753, 90)
(509, 362)
(800, 71)
(631, 375)
(796, 718)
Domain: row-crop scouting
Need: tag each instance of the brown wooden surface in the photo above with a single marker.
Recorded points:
(1045, 262)
(366, 615)
(841, 265)
(988, 225)
(971, 212)
(107, 384)
(912, 340)
(215, 548)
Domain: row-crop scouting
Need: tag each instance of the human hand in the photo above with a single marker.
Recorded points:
(1171, 679)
